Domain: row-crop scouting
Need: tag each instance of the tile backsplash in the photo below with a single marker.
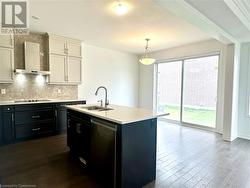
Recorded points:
(29, 86)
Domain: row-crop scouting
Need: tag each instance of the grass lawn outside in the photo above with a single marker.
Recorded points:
(205, 117)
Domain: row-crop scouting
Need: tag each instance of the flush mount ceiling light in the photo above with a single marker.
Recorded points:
(120, 8)
(146, 60)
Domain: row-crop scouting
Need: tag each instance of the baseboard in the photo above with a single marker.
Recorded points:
(244, 136)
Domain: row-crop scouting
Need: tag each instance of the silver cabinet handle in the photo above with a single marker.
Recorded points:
(35, 117)
(68, 123)
(78, 128)
(12, 117)
(36, 129)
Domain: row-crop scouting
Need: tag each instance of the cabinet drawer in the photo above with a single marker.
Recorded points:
(30, 107)
(33, 116)
(23, 131)
(8, 108)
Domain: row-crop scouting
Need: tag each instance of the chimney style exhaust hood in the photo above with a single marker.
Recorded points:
(32, 60)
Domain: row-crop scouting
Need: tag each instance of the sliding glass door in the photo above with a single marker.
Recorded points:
(200, 91)
(169, 89)
(187, 89)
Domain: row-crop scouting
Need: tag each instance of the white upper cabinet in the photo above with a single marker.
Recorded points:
(6, 41)
(74, 49)
(74, 65)
(6, 58)
(6, 64)
(57, 46)
(58, 69)
(67, 50)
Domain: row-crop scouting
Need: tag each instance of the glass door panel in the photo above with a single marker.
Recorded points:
(200, 91)
(169, 89)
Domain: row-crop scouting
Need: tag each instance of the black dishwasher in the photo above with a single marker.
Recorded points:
(78, 138)
(103, 151)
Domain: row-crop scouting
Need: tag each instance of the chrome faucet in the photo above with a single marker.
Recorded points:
(106, 102)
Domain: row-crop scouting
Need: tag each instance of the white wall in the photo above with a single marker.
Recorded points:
(244, 91)
(118, 71)
(146, 95)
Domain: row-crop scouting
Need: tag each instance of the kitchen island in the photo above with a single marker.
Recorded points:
(117, 144)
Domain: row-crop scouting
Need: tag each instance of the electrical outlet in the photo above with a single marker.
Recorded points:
(3, 91)
(59, 91)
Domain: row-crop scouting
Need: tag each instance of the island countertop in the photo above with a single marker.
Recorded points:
(119, 114)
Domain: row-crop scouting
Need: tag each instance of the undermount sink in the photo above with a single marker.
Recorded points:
(96, 108)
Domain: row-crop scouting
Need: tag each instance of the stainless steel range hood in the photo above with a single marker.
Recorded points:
(24, 71)
(32, 60)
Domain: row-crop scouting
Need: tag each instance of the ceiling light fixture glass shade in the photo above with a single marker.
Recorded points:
(121, 8)
(146, 60)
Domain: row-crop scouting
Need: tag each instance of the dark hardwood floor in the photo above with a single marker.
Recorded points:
(44, 163)
(186, 157)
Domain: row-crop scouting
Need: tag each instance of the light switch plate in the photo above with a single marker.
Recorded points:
(3, 91)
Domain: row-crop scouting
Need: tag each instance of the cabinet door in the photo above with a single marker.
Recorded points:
(57, 65)
(78, 137)
(57, 46)
(6, 63)
(74, 70)
(103, 151)
(8, 127)
(1, 127)
(6, 41)
(74, 49)
(61, 121)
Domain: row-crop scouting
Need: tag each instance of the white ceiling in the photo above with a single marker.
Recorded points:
(93, 22)
(223, 16)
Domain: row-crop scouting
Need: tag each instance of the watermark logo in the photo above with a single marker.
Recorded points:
(14, 17)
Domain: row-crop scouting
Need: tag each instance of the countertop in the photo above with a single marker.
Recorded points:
(119, 114)
(3, 103)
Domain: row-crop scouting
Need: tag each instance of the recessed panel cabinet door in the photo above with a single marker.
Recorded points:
(6, 64)
(57, 46)
(74, 70)
(6, 41)
(57, 69)
(1, 127)
(8, 128)
(74, 49)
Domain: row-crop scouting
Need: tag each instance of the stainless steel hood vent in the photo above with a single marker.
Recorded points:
(32, 60)
(23, 71)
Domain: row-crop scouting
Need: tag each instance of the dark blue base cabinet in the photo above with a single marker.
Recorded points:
(24, 122)
(122, 156)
